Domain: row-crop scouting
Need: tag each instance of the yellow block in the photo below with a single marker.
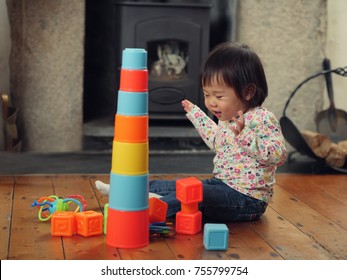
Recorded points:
(129, 158)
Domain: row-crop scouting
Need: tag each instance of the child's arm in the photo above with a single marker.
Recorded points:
(205, 126)
(265, 141)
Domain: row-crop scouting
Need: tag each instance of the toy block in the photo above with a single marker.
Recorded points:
(63, 223)
(189, 190)
(89, 223)
(157, 210)
(216, 236)
(188, 223)
(190, 208)
(105, 217)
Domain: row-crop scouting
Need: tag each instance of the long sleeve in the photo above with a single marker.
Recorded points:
(246, 162)
(263, 139)
(204, 125)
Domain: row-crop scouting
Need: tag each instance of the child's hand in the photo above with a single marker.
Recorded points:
(187, 105)
(240, 123)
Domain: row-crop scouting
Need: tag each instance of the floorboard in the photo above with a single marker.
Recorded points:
(288, 241)
(304, 187)
(310, 222)
(6, 195)
(305, 221)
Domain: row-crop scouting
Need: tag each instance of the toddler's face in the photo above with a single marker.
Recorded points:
(222, 101)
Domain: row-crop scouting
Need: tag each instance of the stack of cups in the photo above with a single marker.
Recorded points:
(128, 212)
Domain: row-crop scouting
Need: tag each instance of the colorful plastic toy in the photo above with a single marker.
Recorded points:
(162, 229)
(189, 193)
(67, 223)
(51, 204)
(128, 211)
(89, 223)
(105, 217)
(63, 223)
(216, 236)
(157, 210)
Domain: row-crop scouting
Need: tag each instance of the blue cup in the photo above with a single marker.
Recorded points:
(134, 59)
(132, 103)
(128, 193)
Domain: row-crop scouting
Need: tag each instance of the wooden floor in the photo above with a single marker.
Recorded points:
(307, 219)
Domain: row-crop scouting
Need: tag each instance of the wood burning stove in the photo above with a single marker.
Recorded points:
(176, 37)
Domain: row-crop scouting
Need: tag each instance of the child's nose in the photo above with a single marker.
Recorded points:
(212, 102)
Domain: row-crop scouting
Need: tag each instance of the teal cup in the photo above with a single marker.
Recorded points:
(128, 193)
(132, 103)
(134, 59)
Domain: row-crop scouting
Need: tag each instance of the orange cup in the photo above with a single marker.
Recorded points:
(127, 229)
(134, 80)
(131, 129)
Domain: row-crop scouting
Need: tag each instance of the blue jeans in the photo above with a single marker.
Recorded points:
(220, 202)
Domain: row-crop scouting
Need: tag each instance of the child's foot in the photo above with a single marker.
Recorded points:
(151, 194)
(104, 189)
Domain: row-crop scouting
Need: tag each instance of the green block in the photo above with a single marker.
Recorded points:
(105, 217)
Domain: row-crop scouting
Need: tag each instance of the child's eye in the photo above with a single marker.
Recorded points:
(219, 97)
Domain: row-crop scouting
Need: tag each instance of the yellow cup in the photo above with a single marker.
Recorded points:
(129, 158)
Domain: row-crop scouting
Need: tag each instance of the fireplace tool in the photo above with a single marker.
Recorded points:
(331, 122)
(292, 134)
(9, 115)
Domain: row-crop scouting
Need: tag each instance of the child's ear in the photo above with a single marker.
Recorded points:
(250, 91)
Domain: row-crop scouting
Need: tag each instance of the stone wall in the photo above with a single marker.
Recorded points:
(290, 38)
(47, 72)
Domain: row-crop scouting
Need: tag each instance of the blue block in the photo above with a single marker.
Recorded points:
(128, 193)
(132, 103)
(216, 236)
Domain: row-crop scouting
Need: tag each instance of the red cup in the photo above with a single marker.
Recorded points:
(127, 229)
(134, 80)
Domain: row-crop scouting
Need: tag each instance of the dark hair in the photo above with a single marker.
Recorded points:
(236, 65)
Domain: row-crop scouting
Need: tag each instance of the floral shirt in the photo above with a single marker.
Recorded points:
(246, 162)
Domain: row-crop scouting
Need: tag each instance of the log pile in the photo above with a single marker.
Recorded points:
(335, 154)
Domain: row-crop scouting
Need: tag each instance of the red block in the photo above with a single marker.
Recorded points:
(157, 210)
(189, 190)
(188, 223)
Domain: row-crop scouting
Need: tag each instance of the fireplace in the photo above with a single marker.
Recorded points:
(176, 37)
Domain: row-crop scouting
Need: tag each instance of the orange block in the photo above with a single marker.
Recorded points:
(157, 210)
(62, 223)
(89, 223)
(188, 223)
(189, 190)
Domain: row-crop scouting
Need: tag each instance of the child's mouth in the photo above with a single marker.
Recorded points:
(217, 114)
